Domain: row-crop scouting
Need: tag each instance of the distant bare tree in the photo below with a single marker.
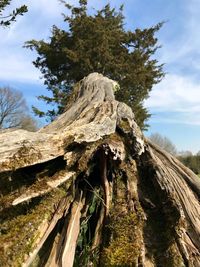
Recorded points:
(14, 111)
(163, 142)
(28, 123)
(185, 153)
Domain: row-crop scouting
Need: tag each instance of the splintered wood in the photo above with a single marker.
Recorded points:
(90, 190)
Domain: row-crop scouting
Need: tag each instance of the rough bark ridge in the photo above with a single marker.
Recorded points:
(89, 190)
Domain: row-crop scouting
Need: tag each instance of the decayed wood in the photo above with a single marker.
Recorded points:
(147, 209)
(69, 245)
(105, 183)
(171, 178)
(191, 179)
(98, 230)
(63, 206)
(42, 188)
(20, 148)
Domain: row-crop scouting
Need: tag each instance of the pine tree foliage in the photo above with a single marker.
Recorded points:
(6, 20)
(98, 43)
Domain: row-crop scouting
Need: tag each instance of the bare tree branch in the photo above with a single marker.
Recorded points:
(14, 110)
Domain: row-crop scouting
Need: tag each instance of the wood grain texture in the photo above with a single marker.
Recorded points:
(91, 183)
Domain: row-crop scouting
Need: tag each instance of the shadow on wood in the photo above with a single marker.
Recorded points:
(90, 190)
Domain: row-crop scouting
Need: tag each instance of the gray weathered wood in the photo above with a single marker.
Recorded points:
(140, 203)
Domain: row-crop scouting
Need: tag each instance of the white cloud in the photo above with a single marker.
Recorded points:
(18, 68)
(176, 118)
(16, 61)
(178, 96)
(182, 47)
(45, 8)
(175, 93)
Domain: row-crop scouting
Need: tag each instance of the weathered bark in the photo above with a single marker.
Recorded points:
(90, 190)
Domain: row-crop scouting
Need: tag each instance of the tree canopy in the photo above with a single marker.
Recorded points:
(6, 20)
(98, 43)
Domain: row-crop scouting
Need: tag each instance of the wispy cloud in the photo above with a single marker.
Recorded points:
(17, 66)
(15, 61)
(177, 98)
(178, 92)
(175, 93)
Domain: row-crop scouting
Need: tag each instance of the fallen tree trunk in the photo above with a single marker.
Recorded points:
(90, 190)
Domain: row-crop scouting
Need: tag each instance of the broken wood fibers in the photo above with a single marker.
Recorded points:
(90, 190)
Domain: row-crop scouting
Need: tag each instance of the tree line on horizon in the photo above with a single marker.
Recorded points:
(186, 157)
(191, 161)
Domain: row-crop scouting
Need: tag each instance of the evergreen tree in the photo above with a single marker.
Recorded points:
(98, 43)
(5, 20)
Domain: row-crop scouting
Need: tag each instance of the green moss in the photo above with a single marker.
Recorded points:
(173, 256)
(86, 156)
(30, 179)
(163, 221)
(26, 155)
(42, 185)
(20, 227)
(113, 137)
(124, 227)
(125, 244)
(124, 125)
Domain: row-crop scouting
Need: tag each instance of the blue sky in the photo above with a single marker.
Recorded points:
(174, 103)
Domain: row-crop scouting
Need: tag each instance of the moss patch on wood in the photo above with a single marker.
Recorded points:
(125, 245)
(125, 229)
(26, 155)
(20, 230)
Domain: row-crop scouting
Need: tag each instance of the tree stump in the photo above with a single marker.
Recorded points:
(90, 190)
